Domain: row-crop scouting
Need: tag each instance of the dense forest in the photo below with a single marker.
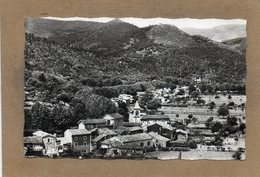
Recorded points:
(72, 71)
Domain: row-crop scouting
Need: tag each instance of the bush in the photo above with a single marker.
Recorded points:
(201, 101)
(216, 127)
(232, 121)
(209, 122)
(64, 97)
(192, 144)
(223, 111)
(231, 104)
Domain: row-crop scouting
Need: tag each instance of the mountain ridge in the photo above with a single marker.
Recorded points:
(219, 33)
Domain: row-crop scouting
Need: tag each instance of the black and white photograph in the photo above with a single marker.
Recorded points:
(135, 88)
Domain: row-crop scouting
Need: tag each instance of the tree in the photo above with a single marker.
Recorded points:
(41, 117)
(203, 88)
(123, 110)
(187, 121)
(209, 122)
(232, 121)
(89, 81)
(209, 88)
(223, 111)
(190, 116)
(195, 94)
(218, 141)
(181, 92)
(243, 106)
(231, 104)
(64, 97)
(194, 119)
(148, 96)
(78, 110)
(201, 101)
(242, 128)
(237, 155)
(216, 127)
(154, 104)
(192, 144)
(62, 117)
(108, 92)
(192, 88)
(212, 105)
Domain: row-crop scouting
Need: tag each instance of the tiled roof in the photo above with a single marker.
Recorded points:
(181, 139)
(135, 137)
(155, 117)
(33, 140)
(132, 138)
(92, 121)
(165, 126)
(98, 138)
(105, 131)
(158, 137)
(113, 142)
(116, 116)
(135, 128)
(131, 124)
(120, 131)
(191, 125)
(40, 133)
(78, 131)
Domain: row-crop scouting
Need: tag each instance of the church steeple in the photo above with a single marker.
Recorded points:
(135, 115)
(137, 106)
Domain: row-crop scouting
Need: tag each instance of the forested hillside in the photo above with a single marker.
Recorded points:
(72, 71)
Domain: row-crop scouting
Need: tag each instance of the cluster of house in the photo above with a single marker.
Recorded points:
(109, 135)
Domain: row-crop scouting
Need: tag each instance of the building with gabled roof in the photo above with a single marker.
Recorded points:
(159, 140)
(135, 130)
(156, 118)
(40, 133)
(140, 139)
(114, 119)
(91, 123)
(100, 134)
(162, 129)
(79, 140)
(33, 145)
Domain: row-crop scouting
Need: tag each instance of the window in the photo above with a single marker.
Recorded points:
(76, 139)
(84, 143)
(85, 137)
(76, 144)
(141, 144)
(48, 140)
(148, 143)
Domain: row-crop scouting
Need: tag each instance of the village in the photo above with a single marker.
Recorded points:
(176, 125)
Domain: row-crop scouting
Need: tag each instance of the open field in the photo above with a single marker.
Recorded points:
(194, 155)
(202, 113)
(237, 99)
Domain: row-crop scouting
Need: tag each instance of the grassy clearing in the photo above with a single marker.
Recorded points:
(194, 155)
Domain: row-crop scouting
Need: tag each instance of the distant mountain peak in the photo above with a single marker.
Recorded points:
(116, 20)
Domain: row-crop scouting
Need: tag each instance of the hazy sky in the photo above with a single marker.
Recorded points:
(180, 23)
